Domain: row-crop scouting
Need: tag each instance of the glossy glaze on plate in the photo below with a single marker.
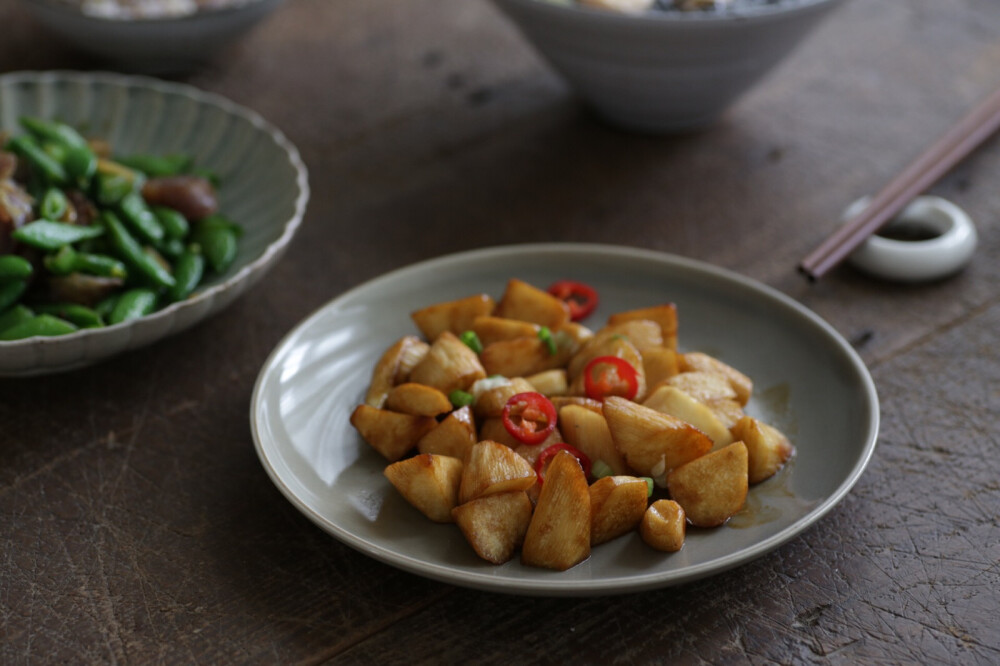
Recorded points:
(264, 188)
(808, 382)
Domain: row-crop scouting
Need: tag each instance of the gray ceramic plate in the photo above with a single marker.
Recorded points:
(264, 188)
(809, 382)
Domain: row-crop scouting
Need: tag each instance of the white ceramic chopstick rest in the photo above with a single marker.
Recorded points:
(931, 239)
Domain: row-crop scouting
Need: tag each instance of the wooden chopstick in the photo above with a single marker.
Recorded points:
(980, 124)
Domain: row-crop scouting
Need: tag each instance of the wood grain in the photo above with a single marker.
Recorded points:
(140, 528)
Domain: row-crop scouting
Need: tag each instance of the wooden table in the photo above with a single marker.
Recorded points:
(140, 527)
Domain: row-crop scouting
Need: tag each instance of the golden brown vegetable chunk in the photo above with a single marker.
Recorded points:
(663, 526)
(712, 488)
(454, 316)
(387, 370)
(675, 402)
(412, 398)
(494, 468)
(390, 433)
(449, 365)
(617, 504)
(549, 382)
(428, 482)
(409, 358)
(728, 411)
(454, 436)
(659, 364)
(588, 431)
(525, 302)
(665, 315)
(559, 534)
(697, 361)
(703, 386)
(490, 402)
(521, 357)
(767, 448)
(494, 329)
(495, 525)
(652, 443)
(643, 333)
(492, 428)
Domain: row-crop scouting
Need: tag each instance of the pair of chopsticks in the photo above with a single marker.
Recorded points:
(934, 163)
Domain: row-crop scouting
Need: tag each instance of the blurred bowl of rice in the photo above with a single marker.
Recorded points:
(151, 36)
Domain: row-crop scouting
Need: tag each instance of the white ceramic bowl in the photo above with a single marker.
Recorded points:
(147, 45)
(264, 188)
(661, 71)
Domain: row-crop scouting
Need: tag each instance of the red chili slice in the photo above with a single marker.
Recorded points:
(581, 298)
(610, 375)
(529, 417)
(550, 451)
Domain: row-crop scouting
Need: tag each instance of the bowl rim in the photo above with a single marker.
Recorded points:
(782, 8)
(76, 11)
(275, 247)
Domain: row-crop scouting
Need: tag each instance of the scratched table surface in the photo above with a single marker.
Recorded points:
(139, 527)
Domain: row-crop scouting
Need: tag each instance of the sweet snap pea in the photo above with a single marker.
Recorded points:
(140, 218)
(11, 291)
(156, 166)
(110, 188)
(44, 325)
(54, 131)
(81, 165)
(132, 252)
(105, 306)
(15, 267)
(47, 166)
(171, 247)
(68, 260)
(217, 238)
(76, 314)
(188, 272)
(133, 304)
(15, 315)
(174, 224)
(97, 237)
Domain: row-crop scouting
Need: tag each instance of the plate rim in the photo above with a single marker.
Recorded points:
(565, 587)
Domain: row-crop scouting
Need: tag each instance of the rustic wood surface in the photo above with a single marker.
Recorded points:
(139, 527)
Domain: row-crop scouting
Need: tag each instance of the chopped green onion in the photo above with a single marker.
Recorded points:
(600, 469)
(545, 335)
(471, 341)
(460, 398)
(649, 485)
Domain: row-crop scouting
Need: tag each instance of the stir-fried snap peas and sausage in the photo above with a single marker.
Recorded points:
(90, 239)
